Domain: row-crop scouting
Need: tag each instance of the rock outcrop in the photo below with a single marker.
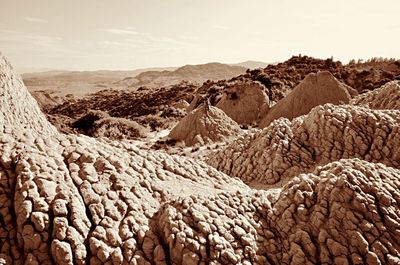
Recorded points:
(314, 90)
(328, 133)
(206, 124)
(346, 212)
(385, 97)
(18, 109)
(244, 102)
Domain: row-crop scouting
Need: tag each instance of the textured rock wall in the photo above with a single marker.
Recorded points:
(328, 133)
(385, 97)
(17, 106)
(343, 213)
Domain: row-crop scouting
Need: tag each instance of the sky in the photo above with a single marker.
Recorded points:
(132, 34)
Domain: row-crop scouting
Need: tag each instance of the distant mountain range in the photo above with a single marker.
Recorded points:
(80, 83)
(192, 73)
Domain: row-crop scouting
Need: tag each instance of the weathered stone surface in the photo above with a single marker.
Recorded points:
(336, 214)
(17, 106)
(385, 97)
(328, 133)
(67, 199)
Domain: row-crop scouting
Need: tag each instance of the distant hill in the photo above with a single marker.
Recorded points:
(79, 83)
(252, 64)
(107, 75)
(191, 73)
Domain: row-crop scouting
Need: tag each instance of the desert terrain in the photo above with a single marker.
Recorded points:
(292, 163)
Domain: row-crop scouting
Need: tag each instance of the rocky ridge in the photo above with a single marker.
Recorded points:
(328, 133)
(386, 97)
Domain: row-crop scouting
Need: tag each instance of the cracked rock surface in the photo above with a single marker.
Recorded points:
(328, 133)
(343, 213)
(67, 199)
(385, 97)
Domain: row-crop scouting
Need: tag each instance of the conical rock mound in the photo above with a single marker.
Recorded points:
(314, 90)
(203, 125)
(385, 97)
(19, 111)
(244, 101)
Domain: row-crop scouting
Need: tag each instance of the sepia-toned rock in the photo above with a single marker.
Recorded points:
(204, 125)
(322, 188)
(385, 97)
(314, 90)
(328, 133)
(244, 102)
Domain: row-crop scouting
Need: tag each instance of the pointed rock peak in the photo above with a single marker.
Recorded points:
(204, 125)
(315, 90)
(19, 111)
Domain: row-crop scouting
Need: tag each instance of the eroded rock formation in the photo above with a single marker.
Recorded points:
(77, 200)
(67, 199)
(385, 97)
(346, 212)
(204, 125)
(244, 102)
(314, 90)
(328, 133)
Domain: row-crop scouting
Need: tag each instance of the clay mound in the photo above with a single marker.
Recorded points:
(385, 97)
(344, 213)
(203, 125)
(244, 101)
(18, 109)
(314, 90)
(328, 133)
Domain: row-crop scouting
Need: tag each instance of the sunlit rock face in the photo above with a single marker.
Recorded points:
(315, 90)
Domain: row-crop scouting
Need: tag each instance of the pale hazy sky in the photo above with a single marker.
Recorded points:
(129, 34)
